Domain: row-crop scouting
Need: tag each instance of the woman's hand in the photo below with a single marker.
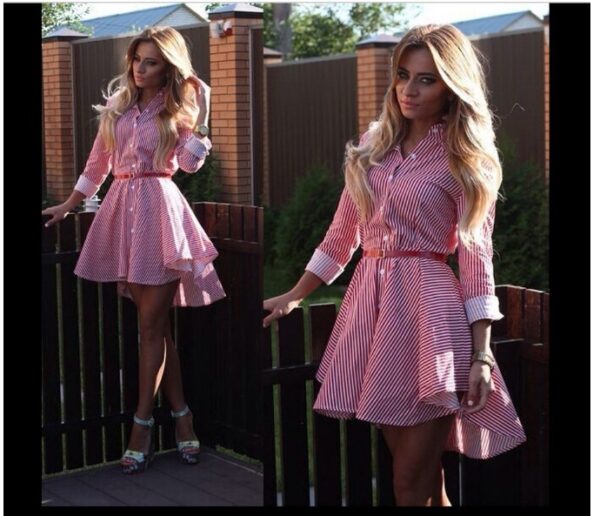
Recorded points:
(480, 386)
(58, 213)
(202, 99)
(279, 306)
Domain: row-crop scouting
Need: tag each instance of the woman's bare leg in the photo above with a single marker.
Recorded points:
(153, 303)
(416, 454)
(172, 388)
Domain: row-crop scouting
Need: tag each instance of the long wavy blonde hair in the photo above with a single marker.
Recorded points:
(180, 106)
(473, 156)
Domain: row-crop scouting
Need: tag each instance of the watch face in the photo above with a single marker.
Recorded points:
(203, 130)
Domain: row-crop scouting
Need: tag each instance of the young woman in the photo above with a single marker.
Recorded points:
(410, 349)
(145, 235)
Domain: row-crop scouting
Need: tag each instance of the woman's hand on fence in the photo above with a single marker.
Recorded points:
(480, 386)
(278, 306)
(58, 213)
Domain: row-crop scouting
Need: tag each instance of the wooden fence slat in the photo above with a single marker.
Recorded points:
(293, 413)
(51, 404)
(268, 420)
(71, 363)
(91, 371)
(322, 319)
(236, 222)
(250, 224)
(91, 358)
(358, 452)
(129, 334)
(451, 464)
(532, 313)
(514, 311)
(385, 486)
(328, 488)
(534, 416)
(110, 370)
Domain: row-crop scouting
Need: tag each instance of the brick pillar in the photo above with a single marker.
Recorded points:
(373, 57)
(269, 57)
(547, 97)
(57, 74)
(230, 98)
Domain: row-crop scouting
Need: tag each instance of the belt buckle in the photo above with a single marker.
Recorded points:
(381, 253)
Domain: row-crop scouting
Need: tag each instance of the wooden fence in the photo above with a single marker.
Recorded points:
(324, 461)
(90, 348)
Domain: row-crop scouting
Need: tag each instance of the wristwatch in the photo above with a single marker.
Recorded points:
(202, 130)
(486, 358)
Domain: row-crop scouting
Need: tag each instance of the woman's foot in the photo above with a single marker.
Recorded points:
(188, 446)
(140, 449)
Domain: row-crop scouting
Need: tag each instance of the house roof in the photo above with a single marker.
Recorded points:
(130, 22)
(487, 25)
(490, 24)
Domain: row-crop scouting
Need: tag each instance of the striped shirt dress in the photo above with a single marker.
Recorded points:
(145, 231)
(400, 349)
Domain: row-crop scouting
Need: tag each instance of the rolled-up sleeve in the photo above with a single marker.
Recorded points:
(476, 271)
(340, 242)
(191, 151)
(96, 168)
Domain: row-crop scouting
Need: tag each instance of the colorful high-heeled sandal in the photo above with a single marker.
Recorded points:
(188, 451)
(135, 461)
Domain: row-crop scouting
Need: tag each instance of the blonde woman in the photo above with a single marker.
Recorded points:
(410, 349)
(145, 235)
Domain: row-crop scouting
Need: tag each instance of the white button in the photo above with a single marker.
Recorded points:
(390, 177)
(134, 124)
(130, 209)
(133, 166)
(133, 187)
(131, 144)
(132, 230)
(381, 271)
(412, 156)
(385, 238)
(381, 209)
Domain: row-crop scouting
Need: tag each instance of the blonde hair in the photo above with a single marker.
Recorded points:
(180, 106)
(472, 153)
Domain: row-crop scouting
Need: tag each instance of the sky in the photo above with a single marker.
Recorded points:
(430, 12)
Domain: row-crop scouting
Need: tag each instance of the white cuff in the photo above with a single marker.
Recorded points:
(86, 187)
(197, 147)
(324, 266)
(483, 307)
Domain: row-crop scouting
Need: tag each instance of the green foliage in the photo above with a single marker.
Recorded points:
(326, 29)
(522, 225)
(200, 186)
(316, 34)
(321, 30)
(302, 223)
(55, 14)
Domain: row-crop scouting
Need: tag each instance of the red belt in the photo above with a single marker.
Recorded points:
(384, 253)
(143, 174)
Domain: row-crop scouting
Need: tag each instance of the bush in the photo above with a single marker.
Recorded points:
(303, 222)
(522, 224)
(200, 186)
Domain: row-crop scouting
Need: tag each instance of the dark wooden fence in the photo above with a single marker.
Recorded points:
(90, 348)
(311, 106)
(329, 462)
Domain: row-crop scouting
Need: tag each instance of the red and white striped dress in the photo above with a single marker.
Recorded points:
(399, 353)
(145, 231)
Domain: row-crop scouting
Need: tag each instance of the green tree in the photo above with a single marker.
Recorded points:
(320, 30)
(312, 30)
(55, 14)
(522, 224)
